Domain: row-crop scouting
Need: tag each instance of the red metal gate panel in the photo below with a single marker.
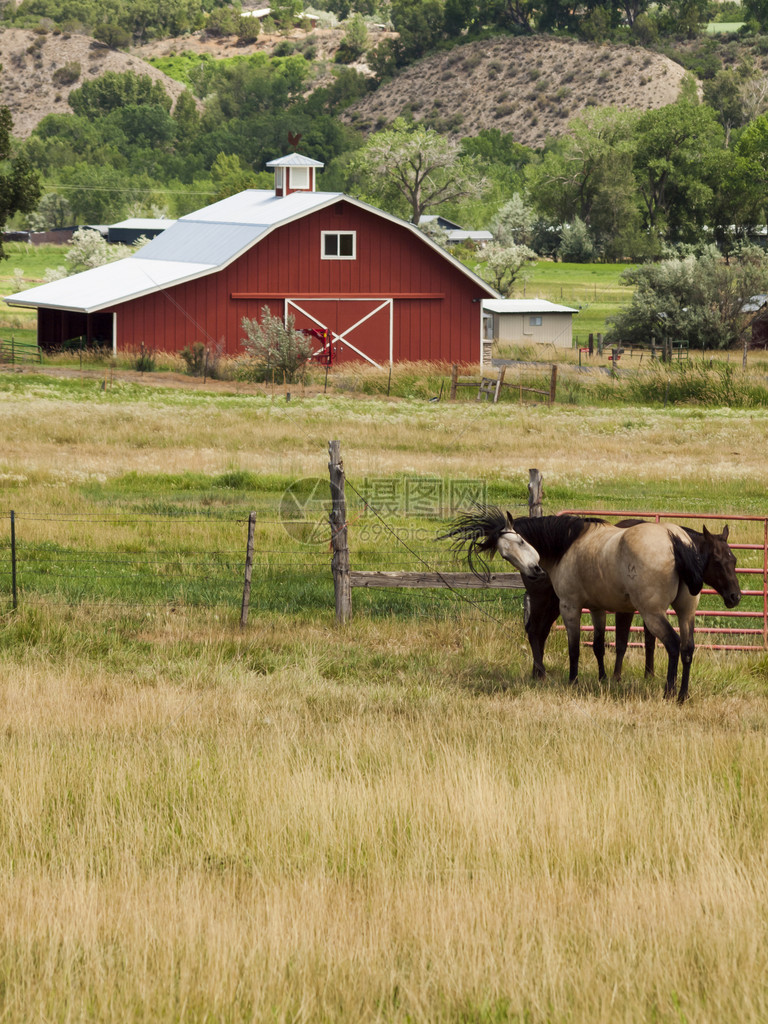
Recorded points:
(357, 328)
(740, 629)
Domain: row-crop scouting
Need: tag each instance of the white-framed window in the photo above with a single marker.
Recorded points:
(339, 245)
(534, 321)
(300, 177)
(278, 177)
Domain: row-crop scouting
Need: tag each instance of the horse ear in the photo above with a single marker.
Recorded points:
(724, 534)
(705, 531)
(510, 520)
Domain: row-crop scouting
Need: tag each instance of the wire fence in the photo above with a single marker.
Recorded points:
(139, 558)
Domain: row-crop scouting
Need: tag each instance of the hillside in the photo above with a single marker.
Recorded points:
(528, 86)
(28, 85)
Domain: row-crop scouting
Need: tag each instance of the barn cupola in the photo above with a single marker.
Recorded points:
(294, 173)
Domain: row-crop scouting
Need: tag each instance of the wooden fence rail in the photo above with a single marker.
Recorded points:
(491, 386)
(345, 579)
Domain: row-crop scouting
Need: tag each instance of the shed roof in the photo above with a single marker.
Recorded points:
(144, 223)
(525, 306)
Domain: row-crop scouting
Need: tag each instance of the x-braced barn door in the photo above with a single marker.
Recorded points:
(357, 328)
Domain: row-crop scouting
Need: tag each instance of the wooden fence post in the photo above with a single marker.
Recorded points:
(553, 384)
(338, 519)
(535, 493)
(248, 570)
(13, 558)
(454, 379)
(499, 383)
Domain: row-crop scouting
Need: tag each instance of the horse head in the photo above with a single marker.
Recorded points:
(486, 530)
(720, 566)
(515, 549)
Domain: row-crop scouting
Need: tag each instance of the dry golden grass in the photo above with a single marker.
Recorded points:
(87, 436)
(364, 834)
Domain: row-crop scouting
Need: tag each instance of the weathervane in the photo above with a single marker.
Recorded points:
(293, 140)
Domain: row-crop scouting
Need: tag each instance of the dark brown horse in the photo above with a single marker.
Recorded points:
(594, 564)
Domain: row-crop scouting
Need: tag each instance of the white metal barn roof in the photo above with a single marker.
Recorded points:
(195, 245)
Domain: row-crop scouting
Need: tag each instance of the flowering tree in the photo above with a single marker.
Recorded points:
(88, 249)
(502, 264)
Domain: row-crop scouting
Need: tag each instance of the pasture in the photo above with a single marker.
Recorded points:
(387, 822)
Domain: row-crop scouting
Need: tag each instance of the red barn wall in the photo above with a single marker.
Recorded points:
(390, 261)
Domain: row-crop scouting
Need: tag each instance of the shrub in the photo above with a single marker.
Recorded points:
(248, 30)
(145, 359)
(202, 361)
(68, 74)
(114, 36)
(274, 349)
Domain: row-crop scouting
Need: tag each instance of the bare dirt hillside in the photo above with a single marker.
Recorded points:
(28, 81)
(527, 86)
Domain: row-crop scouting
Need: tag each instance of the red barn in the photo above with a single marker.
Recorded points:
(380, 288)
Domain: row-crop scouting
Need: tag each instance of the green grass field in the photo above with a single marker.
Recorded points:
(594, 289)
(386, 822)
(25, 267)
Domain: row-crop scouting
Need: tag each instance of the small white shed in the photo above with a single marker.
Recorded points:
(528, 321)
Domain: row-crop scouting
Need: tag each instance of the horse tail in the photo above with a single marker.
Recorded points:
(688, 563)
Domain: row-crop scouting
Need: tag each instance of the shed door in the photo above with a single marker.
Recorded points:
(357, 328)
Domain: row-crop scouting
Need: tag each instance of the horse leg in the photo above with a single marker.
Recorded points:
(660, 627)
(540, 609)
(572, 620)
(623, 624)
(685, 618)
(598, 640)
(650, 649)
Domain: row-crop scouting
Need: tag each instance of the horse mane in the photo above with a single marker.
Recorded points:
(688, 563)
(553, 535)
(477, 531)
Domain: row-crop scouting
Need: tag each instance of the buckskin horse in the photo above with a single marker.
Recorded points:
(606, 568)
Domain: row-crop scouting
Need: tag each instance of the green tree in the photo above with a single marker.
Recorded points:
(589, 174)
(410, 169)
(420, 25)
(355, 41)
(738, 196)
(19, 184)
(514, 222)
(674, 145)
(53, 211)
(576, 243)
(695, 300)
(97, 194)
(511, 15)
(229, 176)
(725, 94)
(113, 90)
